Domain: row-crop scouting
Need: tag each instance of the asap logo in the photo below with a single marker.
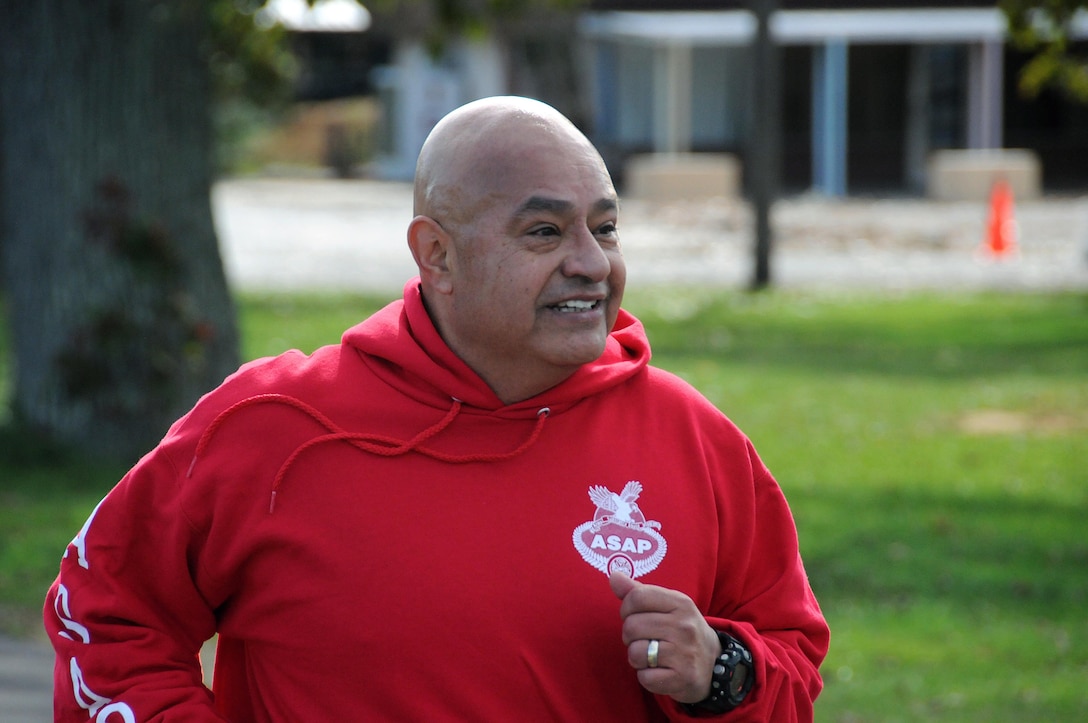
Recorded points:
(619, 538)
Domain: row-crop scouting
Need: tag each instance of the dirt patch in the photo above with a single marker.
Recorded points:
(999, 421)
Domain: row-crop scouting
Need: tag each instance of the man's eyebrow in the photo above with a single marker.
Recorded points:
(537, 204)
(606, 204)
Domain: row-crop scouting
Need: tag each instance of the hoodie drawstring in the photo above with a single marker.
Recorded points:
(211, 429)
(377, 444)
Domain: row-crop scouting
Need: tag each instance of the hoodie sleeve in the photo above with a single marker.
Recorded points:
(124, 615)
(762, 597)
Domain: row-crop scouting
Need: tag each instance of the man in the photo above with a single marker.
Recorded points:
(482, 505)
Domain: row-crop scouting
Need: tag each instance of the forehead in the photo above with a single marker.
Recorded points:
(548, 177)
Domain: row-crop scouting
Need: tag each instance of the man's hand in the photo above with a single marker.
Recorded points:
(687, 645)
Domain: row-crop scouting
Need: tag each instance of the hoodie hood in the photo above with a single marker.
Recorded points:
(403, 347)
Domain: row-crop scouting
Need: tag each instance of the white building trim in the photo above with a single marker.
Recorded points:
(802, 27)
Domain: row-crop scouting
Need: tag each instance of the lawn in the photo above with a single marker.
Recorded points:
(933, 448)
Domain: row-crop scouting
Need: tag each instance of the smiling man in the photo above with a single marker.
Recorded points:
(483, 504)
(516, 241)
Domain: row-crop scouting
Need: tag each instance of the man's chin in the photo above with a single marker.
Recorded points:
(579, 352)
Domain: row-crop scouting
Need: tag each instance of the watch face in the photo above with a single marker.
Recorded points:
(736, 682)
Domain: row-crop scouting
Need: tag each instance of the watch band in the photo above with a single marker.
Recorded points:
(731, 680)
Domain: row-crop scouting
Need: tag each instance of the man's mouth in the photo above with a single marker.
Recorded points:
(575, 305)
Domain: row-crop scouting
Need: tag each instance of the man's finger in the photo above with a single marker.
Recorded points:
(621, 584)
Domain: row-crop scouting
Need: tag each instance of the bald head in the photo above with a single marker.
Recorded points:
(473, 150)
(515, 236)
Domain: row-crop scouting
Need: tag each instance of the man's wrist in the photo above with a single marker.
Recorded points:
(732, 677)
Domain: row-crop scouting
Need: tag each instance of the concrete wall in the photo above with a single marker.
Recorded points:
(969, 175)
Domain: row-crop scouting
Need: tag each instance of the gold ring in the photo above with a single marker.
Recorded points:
(651, 653)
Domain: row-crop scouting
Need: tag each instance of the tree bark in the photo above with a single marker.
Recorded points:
(119, 310)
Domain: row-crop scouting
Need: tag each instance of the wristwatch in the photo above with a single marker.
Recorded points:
(730, 682)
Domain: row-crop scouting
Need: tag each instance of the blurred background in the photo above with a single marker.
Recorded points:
(870, 91)
(860, 228)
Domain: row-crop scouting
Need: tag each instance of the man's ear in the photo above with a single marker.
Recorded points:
(431, 247)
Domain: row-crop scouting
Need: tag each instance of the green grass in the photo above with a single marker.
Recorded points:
(934, 452)
(933, 448)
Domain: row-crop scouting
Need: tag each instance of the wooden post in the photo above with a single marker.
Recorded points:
(765, 144)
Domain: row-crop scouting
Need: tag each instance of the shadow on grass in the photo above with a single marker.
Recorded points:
(933, 337)
(901, 547)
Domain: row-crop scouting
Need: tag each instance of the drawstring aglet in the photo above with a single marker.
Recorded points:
(192, 465)
(272, 502)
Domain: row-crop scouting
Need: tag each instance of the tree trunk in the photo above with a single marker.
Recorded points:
(119, 310)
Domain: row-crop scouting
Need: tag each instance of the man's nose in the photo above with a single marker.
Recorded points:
(586, 258)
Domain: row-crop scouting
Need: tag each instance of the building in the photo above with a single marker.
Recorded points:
(870, 89)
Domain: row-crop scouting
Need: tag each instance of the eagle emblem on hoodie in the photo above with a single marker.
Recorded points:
(619, 538)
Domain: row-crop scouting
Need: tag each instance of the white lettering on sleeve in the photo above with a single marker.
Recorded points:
(80, 540)
(93, 703)
(64, 613)
(127, 716)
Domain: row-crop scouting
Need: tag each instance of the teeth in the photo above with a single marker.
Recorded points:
(576, 305)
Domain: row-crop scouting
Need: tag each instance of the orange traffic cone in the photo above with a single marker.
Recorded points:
(1001, 228)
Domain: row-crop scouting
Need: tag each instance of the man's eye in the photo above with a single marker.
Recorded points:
(607, 229)
(544, 231)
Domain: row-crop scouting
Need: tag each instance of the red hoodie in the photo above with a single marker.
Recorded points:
(375, 536)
